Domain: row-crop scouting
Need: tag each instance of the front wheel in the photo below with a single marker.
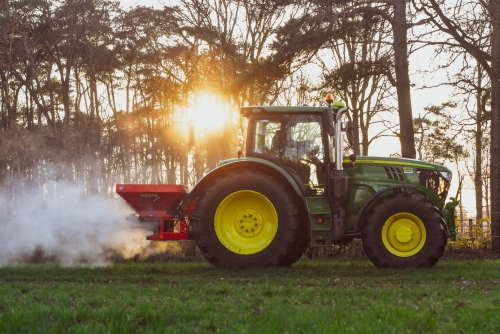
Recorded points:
(248, 219)
(404, 230)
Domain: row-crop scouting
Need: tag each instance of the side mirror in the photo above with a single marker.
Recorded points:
(328, 121)
(350, 133)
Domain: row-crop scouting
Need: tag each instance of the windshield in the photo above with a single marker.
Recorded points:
(295, 140)
(289, 137)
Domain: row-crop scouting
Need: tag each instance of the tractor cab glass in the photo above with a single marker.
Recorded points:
(295, 141)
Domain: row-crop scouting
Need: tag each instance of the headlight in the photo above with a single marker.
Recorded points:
(446, 175)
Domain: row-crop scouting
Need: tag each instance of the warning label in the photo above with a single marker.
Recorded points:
(408, 170)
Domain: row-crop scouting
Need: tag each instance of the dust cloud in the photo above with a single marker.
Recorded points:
(57, 222)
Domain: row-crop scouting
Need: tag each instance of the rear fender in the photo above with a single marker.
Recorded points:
(237, 165)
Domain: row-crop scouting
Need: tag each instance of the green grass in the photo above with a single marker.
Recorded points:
(309, 297)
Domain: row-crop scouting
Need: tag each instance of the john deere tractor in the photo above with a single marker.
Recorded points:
(292, 187)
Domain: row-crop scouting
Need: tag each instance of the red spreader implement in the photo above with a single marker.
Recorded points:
(160, 203)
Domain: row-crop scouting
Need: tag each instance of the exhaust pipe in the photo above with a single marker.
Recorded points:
(339, 144)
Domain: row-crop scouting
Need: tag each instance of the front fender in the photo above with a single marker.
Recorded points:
(374, 198)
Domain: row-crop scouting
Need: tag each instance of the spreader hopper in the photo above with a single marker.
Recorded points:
(158, 202)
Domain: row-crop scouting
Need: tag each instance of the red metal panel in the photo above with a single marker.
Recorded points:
(152, 197)
(190, 209)
(155, 215)
(166, 236)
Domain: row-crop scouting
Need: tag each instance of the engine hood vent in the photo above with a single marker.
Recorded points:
(394, 173)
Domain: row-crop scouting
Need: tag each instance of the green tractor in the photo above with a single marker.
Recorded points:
(292, 188)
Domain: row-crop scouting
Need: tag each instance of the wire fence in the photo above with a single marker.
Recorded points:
(470, 228)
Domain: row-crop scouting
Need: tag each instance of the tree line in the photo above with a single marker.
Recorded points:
(95, 93)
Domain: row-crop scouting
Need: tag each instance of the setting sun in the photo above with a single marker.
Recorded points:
(209, 112)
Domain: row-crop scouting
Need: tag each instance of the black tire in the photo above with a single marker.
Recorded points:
(217, 247)
(300, 246)
(404, 230)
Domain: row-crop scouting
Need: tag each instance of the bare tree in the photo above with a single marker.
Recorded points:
(302, 38)
(460, 27)
(437, 141)
(362, 74)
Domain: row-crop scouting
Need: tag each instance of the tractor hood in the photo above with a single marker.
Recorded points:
(385, 171)
(399, 161)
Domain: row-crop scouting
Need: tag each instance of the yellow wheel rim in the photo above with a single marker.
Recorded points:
(404, 234)
(246, 222)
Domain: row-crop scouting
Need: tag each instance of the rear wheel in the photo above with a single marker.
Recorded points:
(404, 230)
(248, 219)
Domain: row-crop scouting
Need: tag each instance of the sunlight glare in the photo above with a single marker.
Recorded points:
(209, 112)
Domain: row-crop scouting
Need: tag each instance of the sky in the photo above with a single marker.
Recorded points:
(152, 3)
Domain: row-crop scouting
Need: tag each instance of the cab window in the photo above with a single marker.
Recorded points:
(295, 140)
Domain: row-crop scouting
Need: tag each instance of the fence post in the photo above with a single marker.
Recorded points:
(470, 227)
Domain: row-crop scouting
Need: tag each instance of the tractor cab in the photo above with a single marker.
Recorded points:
(293, 141)
(302, 140)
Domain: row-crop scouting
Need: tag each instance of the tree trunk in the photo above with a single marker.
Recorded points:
(93, 134)
(403, 80)
(65, 92)
(478, 182)
(495, 125)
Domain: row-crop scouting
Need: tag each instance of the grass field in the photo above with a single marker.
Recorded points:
(310, 297)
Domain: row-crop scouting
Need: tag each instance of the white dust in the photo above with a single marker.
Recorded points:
(58, 222)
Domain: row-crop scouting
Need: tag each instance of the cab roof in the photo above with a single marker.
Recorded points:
(256, 110)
